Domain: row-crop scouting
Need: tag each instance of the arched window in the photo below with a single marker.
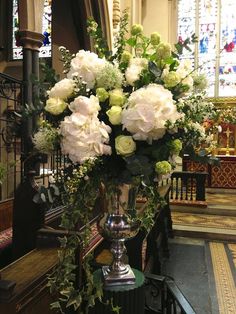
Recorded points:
(45, 50)
(214, 23)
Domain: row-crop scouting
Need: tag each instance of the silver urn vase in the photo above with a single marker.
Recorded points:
(117, 226)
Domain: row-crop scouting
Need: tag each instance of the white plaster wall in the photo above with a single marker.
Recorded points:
(155, 17)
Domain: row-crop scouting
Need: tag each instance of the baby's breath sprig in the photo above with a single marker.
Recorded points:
(66, 57)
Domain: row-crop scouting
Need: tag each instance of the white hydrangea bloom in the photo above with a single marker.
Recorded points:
(86, 65)
(84, 137)
(85, 105)
(136, 65)
(62, 89)
(147, 112)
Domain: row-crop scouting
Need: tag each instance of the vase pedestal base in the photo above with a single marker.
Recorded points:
(112, 278)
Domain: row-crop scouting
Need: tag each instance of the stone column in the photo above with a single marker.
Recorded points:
(31, 38)
(28, 216)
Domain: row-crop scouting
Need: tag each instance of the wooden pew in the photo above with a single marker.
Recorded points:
(5, 231)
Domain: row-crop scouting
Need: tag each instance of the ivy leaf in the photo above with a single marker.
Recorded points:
(55, 305)
(131, 41)
(37, 198)
(50, 198)
(75, 301)
(116, 309)
(55, 188)
(43, 197)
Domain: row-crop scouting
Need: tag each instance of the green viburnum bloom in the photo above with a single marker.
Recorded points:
(126, 56)
(136, 29)
(163, 51)
(155, 38)
(172, 79)
(163, 167)
(175, 146)
(102, 94)
(117, 97)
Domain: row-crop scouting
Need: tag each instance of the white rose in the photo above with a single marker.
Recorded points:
(63, 89)
(125, 145)
(55, 106)
(114, 115)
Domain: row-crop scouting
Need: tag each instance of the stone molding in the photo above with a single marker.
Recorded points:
(31, 40)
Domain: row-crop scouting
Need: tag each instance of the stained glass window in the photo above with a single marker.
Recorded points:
(45, 50)
(214, 23)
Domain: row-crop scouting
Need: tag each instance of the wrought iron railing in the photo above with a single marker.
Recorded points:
(11, 99)
(163, 296)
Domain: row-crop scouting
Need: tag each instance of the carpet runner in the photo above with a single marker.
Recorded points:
(223, 263)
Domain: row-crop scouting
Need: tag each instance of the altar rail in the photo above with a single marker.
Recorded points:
(188, 186)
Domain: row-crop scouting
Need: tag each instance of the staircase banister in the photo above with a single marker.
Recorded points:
(183, 303)
(10, 78)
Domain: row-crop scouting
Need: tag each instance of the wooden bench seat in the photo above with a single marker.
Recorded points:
(5, 238)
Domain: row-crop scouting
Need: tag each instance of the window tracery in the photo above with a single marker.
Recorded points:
(45, 50)
(214, 23)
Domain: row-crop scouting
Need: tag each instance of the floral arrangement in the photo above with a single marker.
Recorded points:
(118, 118)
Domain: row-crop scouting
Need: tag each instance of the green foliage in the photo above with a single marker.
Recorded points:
(120, 40)
(3, 172)
(181, 45)
(100, 43)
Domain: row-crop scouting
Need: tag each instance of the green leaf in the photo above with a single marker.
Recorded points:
(131, 41)
(50, 198)
(55, 305)
(154, 69)
(75, 301)
(37, 199)
(55, 189)
(43, 197)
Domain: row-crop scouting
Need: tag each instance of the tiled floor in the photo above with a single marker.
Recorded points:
(216, 221)
(223, 199)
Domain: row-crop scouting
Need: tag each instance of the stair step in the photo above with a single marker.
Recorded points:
(206, 226)
(223, 235)
(209, 210)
